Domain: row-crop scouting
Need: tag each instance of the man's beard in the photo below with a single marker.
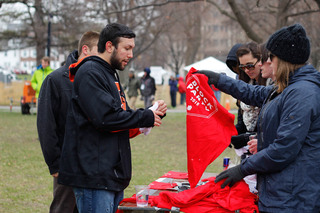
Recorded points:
(115, 62)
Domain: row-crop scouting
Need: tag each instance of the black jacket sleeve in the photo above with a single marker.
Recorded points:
(46, 124)
(100, 103)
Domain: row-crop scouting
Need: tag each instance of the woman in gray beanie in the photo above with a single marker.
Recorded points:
(288, 159)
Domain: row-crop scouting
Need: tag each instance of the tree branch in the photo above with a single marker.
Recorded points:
(224, 12)
(244, 23)
(318, 2)
(302, 13)
(151, 5)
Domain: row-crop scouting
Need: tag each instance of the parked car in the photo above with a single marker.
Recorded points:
(7, 76)
(19, 72)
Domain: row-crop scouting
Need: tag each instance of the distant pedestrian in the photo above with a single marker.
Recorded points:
(40, 74)
(173, 83)
(147, 87)
(132, 86)
(182, 90)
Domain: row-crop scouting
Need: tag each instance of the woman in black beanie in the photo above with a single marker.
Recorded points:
(288, 159)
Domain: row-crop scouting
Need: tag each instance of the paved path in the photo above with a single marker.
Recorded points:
(18, 109)
(7, 109)
(178, 109)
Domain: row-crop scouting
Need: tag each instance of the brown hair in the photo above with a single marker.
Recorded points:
(89, 39)
(251, 47)
(254, 49)
(46, 59)
(264, 53)
(284, 69)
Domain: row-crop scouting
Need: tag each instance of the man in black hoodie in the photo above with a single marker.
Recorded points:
(96, 154)
(54, 99)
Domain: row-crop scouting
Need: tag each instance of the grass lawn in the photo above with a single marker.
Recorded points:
(25, 183)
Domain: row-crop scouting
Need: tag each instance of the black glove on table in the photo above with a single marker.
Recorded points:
(233, 175)
(213, 77)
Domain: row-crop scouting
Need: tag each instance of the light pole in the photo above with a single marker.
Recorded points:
(49, 36)
(49, 31)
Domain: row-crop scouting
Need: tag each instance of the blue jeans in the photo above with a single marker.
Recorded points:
(97, 200)
(173, 96)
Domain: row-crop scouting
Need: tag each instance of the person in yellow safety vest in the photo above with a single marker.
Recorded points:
(40, 74)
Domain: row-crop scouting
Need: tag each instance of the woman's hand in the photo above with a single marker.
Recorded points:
(253, 149)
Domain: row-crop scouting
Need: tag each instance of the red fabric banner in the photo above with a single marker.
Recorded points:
(176, 175)
(209, 126)
(209, 198)
(161, 185)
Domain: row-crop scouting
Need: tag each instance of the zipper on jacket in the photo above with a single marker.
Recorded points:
(271, 96)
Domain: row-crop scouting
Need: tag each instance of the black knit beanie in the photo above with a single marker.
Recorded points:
(290, 44)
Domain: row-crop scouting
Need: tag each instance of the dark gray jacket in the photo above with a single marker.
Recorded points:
(147, 86)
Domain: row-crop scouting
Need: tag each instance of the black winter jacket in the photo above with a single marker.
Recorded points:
(148, 86)
(96, 152)
(54, 98)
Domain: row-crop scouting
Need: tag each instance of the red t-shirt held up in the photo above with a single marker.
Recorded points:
(209, 126)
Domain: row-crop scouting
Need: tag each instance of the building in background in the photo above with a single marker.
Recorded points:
(23, 60)
(219, 34)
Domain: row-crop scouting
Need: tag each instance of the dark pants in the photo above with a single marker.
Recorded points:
(148, 101)
(63, 199)
(173, 95)
(182, 98)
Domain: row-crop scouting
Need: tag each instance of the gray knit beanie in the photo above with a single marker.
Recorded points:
(290, 44)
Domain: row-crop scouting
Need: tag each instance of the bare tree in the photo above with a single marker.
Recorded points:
(34, 16)
(144, 20)
(39, 27)
(176, 50)
(67, 24)
(258, 19)
(183, 38)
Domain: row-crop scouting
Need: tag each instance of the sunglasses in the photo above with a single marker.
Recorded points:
(271, 56)
(248, 66)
